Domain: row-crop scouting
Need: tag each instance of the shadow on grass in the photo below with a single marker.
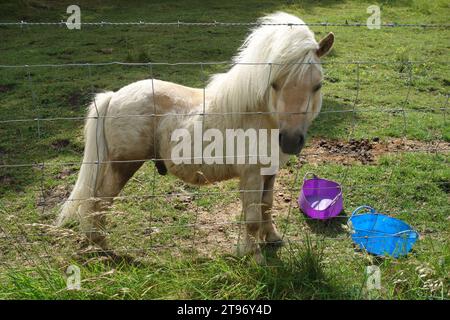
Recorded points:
(114, 259)
(300, 274)
(329, 228)
(296, 272)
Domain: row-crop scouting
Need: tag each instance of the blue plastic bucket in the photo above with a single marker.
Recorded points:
(380, 234)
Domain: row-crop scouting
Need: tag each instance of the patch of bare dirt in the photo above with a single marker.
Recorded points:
(364, 151)
(50, 198)
(6, 180)
(211, 230)
(77, 99)
(60, 144)
(65, 172)
(217, 230)
(6, 87)
(74, 99)
(2, 155)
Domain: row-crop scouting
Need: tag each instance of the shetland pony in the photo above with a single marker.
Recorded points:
(274, 83)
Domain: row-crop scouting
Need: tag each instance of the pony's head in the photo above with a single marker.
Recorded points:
(277, 70)
(295, 96)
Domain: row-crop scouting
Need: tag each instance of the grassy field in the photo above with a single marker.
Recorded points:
(396, 162)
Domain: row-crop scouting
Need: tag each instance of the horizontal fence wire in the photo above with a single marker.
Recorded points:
(244, 223)
(223, 24)
(243, 191)
(38, 165)
(159, 228)
(213, 63)
(180, 114)
(193, 114)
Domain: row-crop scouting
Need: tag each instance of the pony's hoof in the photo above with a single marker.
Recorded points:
(274, 237)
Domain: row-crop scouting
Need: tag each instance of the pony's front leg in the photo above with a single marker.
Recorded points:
(269, 233)
(251, 186)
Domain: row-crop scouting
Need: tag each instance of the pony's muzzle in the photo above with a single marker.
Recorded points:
(291, 142)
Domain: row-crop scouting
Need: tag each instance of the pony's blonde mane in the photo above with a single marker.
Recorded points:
(288, 49)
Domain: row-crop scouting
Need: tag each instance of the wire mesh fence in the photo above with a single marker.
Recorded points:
(176, 218)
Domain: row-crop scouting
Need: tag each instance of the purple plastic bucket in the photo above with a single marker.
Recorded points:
(320, 198)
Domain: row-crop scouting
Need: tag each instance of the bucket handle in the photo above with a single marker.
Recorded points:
(310, 174)
(336, 198)
(357, 210)
(407, 231)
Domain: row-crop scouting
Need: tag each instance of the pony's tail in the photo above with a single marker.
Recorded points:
(90, 173)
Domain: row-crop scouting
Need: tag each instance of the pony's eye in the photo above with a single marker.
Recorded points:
(317, 87)
(274, 86)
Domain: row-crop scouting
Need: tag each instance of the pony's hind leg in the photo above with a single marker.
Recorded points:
(92, 218)
(268, 233)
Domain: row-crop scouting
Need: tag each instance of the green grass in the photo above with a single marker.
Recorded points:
(317, 264)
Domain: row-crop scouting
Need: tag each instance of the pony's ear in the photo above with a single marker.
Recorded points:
(325, 45)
